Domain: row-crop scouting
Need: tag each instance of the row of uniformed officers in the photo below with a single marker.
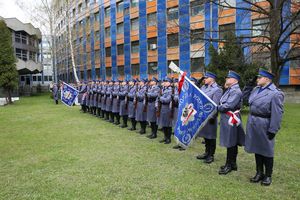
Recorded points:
(147, 102)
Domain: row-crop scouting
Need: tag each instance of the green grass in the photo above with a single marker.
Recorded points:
(56, 152)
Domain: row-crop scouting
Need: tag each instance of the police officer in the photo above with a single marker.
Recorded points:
(123, 103)
(231, 129)
(116, 102)
(266, 110)
(103, 99)
(131, 101)
(165, 120)
(209, 131)
(99, 88)
(141, 112)
(87, 96)
(108, 102)
(152, 94)
(55, 91)
(82, 92)
(94, 96)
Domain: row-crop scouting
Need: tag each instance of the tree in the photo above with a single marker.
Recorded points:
(8, 70)
(231, 57)
(281, 29)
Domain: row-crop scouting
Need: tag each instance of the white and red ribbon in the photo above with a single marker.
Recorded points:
(233, 118)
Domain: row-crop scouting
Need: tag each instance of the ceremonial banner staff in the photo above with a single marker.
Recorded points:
(194, 110)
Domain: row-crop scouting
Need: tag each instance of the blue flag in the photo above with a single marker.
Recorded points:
(195, 109)
(68, 94)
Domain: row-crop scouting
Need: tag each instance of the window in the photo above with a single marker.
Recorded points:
(226, 4)
(33, 78)
(108, 72)
(197, 64)
(18, 36)
(120, 28)
(22, 78)
(296, 25)
(39, 78)
(151, 19)
(134, 3)
(135, 70)
(173, 40)
(135, 47)
(24, 39)
(21, 54)
(197, 8)
(120, 6)
(107, 32)
(97, 17)
(45, 78)
(134, 24)
(120, 49)
(107, 12)
(173, 13)
(121, 70)
(260, 27)
(50, 78)
(97, 36)
(152, 68)
(107, 51)
(197, 36)
(225, 29)
(32, 55)
(152, 43)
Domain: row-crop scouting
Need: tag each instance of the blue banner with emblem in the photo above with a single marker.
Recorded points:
(68, 94)
(194, 111)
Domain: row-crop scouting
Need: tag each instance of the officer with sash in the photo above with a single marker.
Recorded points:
(141, 112)
(231, 129)
(165, 120)
(123, 102)
(209, 131)
(266, 110)
(131, 99)
(152, 94)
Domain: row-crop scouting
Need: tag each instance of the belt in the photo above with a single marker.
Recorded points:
(151, 100)
(260, 115)
(121, 97)
(140, 100)
(130, 99)
(165, 103)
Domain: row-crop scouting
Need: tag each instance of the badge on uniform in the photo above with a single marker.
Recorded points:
(68, 94)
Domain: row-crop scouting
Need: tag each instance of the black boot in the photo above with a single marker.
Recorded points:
(117, 118)
(112, 117)
(56, 102)
(153, 130)
(211, 150)
(268, 162)
(227, 167)
(259, 169)
(234, 157)
(133, 124)
(169, 134)
(124, 122)
(143, 127)
(107, 115)
(165, 135)
(205, 154)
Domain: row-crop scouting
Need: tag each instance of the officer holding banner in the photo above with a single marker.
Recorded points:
(266, 110)
(209, 131)
(231, 129)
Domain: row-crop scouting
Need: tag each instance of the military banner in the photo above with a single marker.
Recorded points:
(195, 109)
(68, 94)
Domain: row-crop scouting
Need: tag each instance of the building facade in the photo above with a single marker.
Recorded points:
(26, 41)
(139, 38)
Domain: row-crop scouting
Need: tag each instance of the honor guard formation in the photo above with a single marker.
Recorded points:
(154, 103)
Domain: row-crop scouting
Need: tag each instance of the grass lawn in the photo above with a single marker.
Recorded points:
(55, 152)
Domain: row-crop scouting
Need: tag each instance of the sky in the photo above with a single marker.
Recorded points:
(8, 8)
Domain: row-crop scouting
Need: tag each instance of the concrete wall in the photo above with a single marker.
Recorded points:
(292, 94)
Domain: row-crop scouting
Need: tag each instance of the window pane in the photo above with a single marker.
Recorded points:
(135, 47)
(151, 19)
(197, 36)
(120, 49)
(197, 8)
(135, 24)
(173, 13)
(152, 43)
(197, 64)
(152, 68)
(107, 12)
(120, 28)
(134, 3)
(135, 70)
(108, 52)
(173, 40)
(120, 6)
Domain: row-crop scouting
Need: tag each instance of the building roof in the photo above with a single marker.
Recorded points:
(17, 25)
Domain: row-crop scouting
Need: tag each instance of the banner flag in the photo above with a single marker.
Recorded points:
(68, 94)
